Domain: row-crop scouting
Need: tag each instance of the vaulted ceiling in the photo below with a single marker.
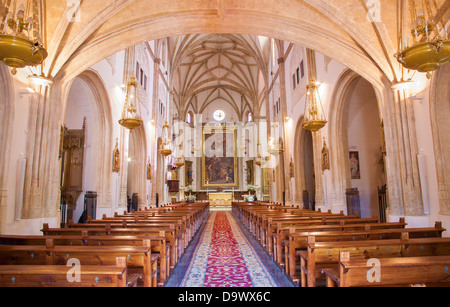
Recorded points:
(217, 69)
(362, 35)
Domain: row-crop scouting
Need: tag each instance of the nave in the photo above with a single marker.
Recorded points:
(226, 255)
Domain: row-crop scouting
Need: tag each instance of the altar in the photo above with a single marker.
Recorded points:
(222, 199)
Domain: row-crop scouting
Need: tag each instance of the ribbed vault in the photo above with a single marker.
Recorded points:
(216, 68)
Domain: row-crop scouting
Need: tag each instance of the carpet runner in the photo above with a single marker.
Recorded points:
(224, 258)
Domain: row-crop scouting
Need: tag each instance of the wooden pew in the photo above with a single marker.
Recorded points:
(187, 218)
(266, 224)
(158, 245)
(275, 237)
(245, 211)
(57, 275)
(282, 231)
(396, 271)
(251, 216)
(139, 259)
(182, 231)
(170, 235)
(320, 255)
(108, 236)
(298, 240)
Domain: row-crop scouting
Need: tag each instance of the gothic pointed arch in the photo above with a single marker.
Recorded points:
(353, 132)
(102, 129)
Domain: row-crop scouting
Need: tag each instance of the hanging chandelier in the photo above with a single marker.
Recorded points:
(426, 47)
(166, 146)
(131, 117)
(274, 147)
(20, 35)
(258, 159)
(314, 115)
(179, 161)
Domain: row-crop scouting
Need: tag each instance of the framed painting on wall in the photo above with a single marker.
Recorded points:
(219, 158)
(189, 172)
(250, 172)
(355, 172)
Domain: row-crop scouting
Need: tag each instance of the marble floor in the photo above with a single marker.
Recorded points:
(275, 274)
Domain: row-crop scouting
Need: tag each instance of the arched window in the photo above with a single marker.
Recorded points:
(188, 118)
(219, 115)
(249, 117)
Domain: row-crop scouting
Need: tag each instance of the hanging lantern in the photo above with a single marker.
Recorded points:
(179, 161)
(131, 110)
(20, 35)
(314, 115)
(258, 159)
(166, 146)
(274, 147)
(426, 47)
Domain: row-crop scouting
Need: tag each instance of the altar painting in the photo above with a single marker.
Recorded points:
(219, 160)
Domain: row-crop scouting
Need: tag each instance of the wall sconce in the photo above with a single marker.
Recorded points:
(41, 80)
(27, 91)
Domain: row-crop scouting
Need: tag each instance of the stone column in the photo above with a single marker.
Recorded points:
(403, 153)
(268, 118)
(39, 159)
(155, 116)
(317, 149)
(316, 138)
(125, 134)
(123, 173)
(7, 121)
(284, 114)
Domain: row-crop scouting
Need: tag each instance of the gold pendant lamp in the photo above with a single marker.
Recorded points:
(258, 159)
(179, 160)
(274, 147)
(426, 46)
(166, 146)
(20, 35)
(314, 115)
(131, 115)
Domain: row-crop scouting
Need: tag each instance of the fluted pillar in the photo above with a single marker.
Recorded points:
(402, 154)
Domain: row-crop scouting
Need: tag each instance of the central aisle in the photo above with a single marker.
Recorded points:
(225, 258)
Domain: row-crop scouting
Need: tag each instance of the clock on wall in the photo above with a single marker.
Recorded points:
(219, 115)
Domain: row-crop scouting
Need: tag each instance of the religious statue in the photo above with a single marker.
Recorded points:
(149, 170)
(354, 165)
(291, 168)
(250, 172)
(116, 158)
(383, 138)
(325, 156)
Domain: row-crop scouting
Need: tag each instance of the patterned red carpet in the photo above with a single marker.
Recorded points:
(224, 258)
(226, 266)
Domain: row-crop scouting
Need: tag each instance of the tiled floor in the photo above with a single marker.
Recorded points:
(183, 265)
